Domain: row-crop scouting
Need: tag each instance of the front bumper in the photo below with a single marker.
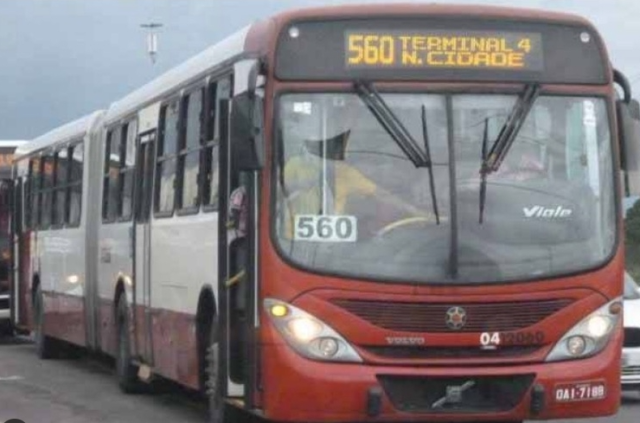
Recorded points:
(630, 367)
(297, 389)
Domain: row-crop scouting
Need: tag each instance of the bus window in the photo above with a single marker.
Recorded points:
(130, 133)
(36, 185)
(75, 184)
(190, 152)
(47, 191)
(60, 192)
(30, 212)
(112, 174)
(166, 172)
(217, 92)
(211, 145)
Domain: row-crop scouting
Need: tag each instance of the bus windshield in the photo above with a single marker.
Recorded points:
(350, 202)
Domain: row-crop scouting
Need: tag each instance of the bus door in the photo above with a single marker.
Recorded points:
(145, 163)
(239, 234)
(227, 276)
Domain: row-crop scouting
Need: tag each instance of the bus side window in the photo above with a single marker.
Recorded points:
(60, 188)
(18, 223)
(30, 202)
(128, 160)
(22, 204)
(218, 91)
(36, 195)
(166, 163)
(190, 147)
(48, 165)
(76, 154)
(111, 174)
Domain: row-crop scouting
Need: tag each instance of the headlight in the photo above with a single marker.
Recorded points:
(309, 336)
(590, 336)
(598, 326)
(576, 345)
(304, 329)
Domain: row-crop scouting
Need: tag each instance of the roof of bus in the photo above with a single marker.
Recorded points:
(72, 130)
(413, 9)
(196, 67)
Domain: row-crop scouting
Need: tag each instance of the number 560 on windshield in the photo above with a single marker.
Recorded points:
(325, 228)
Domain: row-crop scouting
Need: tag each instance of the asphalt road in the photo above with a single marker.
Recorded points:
(84, 391)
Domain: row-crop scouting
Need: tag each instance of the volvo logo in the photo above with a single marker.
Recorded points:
(456, 318)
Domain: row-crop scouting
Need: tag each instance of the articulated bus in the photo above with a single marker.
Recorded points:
(357, 213)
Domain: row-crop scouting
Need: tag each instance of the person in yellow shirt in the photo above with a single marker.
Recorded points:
(332, 188)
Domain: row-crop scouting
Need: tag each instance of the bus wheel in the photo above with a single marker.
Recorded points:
(45, 346)
(125, 371)
(213, 390)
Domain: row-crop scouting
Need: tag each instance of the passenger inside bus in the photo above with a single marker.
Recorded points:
(320, 180)
(523, 163)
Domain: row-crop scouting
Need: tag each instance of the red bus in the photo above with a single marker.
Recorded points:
(359, 213)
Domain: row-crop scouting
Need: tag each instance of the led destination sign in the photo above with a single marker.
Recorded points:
(444, 49)
(440, 49)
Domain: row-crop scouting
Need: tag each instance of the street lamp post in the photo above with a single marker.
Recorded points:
(152, 39)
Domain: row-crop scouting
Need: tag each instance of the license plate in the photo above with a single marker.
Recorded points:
(629, 360)
(581, 391)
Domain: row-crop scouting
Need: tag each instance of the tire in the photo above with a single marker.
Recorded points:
(204, 334)
(45, 345)
(215, 402)
(125, 371)
(218, 410)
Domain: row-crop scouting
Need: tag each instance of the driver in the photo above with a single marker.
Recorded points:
(306, 176)
(523, 164)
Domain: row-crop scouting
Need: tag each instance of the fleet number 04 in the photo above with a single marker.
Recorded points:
(495, 339)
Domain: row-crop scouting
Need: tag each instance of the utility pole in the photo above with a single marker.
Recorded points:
(152, 39)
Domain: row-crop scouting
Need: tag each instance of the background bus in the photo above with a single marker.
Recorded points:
(423, 223)
(7, 148)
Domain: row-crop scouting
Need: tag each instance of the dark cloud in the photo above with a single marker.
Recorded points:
(65, 58)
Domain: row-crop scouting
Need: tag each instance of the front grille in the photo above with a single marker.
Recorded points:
(482, 394)
(631, 371)
(431, 317)
(449, 352)
(632, 337)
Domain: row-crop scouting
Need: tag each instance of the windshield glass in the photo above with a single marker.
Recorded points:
(352, 203)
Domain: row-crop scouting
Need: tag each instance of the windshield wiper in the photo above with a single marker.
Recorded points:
(510, 129)
(483, 172)
(491, 161)
(394, 127)
(425, 138)
(391, 124)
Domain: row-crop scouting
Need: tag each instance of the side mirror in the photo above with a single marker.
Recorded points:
(628, 114)
(247, 138)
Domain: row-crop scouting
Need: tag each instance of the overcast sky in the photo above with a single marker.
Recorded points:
(62, 59)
